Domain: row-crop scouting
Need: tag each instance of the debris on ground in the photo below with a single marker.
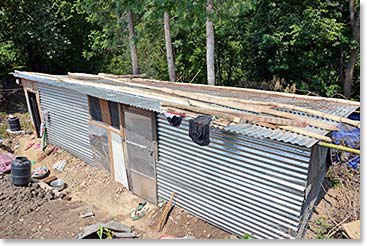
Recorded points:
(174, 237)
(339, 203)
(165, 213)
(353, 229)
(46, 153)
(113, 227)
(40, 172)
(5, 162)
(59, 166)
(49, 179)
(86, 214)
(29, 146)
(139, 212)
(20, 132)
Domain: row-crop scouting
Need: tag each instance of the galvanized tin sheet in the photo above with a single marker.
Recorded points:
(241, 184)
(259, 132)
(68, 124)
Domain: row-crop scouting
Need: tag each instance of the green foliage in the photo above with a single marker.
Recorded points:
(102, 231)
(246, 236)
(333, 180)
(46, 36)
(306, 43)
(322, 229)
(3, 133)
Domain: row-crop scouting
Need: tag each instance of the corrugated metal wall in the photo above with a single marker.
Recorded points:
(69, 116)
(241, 184)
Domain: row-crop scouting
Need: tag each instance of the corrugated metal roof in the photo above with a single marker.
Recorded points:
(114, 91)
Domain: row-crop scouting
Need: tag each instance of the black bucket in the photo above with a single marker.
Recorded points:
(21, 171)
(14, 124)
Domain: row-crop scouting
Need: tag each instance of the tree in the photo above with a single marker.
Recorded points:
(210, 44)
(170, 57)
(132, 39)
(49, 36)
(354, 54)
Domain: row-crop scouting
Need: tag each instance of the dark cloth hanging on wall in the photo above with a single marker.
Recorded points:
(199, 129)
(173, 119)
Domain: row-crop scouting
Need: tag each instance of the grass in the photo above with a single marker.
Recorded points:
(246, 236)
(322, 230)
(333, 181)
(3, 125)
(3, 133)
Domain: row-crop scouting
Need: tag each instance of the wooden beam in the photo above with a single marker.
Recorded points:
(306, 133)
(250, 117)
(106, 117)
(254, 106)
(239, 90)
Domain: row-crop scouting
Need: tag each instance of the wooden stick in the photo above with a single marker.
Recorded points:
(259, 122)
(306, 133)
(165, 213)
(249, 117)
(45, 154)
(248, 105)
(129, 76)
(220, 114)
(239, 89)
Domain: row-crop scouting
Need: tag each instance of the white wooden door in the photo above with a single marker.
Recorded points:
(118, 159)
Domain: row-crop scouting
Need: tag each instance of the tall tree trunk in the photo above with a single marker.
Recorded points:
(210, 44)
(349, 72)
(134, 53)
(353, 58)
(170, 59)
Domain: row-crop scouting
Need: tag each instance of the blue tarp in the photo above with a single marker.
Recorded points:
(350, 137)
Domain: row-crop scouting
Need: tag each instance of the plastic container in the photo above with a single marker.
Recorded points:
(14, 124)
(20, 171)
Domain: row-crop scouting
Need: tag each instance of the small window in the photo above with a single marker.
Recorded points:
(114, 114)
(95, 108)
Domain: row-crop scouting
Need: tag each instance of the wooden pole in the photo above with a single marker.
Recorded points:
(340, 147)
(243, 104)
(306, 133)
(133, 52)
(165, 213)
(169, 51)
(210, 44)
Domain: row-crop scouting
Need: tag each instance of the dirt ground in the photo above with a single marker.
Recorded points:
(42, 216)
(30, 212)
(340, 203)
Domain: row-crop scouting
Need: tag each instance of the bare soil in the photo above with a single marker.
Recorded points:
(28, 212)
(340, 203)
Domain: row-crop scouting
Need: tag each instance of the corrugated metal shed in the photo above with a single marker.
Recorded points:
(69, 116)
(250, 179)
(114, 91)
